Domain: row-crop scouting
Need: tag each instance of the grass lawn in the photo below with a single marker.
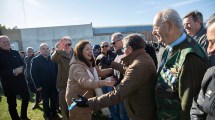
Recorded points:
(36, 114)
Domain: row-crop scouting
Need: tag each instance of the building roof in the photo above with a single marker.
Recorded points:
(122, 29)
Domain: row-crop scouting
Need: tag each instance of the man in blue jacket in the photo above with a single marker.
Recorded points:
(44, 75)
(13, 79)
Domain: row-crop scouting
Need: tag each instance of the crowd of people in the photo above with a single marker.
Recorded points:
(125, 79)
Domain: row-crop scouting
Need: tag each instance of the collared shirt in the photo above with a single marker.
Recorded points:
(178, 41)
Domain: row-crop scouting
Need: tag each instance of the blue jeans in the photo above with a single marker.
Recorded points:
(117, 111)
(121, 111)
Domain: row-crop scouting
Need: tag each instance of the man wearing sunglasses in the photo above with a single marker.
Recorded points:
(106, 56)
(103, 61)
(62, 57)
(116, 42)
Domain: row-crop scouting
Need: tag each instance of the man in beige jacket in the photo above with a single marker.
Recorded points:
(62, 57)
(137, 88)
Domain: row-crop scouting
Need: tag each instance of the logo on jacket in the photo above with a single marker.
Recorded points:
(209, 93)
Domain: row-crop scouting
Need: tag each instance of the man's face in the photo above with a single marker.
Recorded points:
(44, 50)
(190, 26)
(159, 30)
(105, 47)
(116, 43)
(30, 52)
(126, 49)
(211, 39)
(4, 44)
(68, 45)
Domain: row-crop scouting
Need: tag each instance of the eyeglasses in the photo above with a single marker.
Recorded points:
(113, 43)
(69, 44)
(104, 46)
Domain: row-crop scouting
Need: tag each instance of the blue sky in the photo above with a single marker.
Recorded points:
(45, 13)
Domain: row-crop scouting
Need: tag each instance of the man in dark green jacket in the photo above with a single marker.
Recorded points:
(183, 65)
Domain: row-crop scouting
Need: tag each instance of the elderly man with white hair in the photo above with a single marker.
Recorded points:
(183, 65)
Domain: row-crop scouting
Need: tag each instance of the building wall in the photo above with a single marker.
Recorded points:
(35, 36)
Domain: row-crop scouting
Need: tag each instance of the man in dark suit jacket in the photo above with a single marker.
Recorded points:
(13, 79)
(44, 75)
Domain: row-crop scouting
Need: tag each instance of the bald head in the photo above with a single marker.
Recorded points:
(44, 49)
(171, 16)
(167, 23)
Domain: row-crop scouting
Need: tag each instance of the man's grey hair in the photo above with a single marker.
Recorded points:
(66, 38)
(173, 16)
(30, 48)
(210, 21)
(43, 44)
(196, 15)
(117, 35)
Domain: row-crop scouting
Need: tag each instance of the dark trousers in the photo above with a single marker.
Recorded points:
(38, 93)
(11, 100)
(52, 96)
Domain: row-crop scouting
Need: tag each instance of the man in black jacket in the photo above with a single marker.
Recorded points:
(27, 60)
(44, 75)
(203, 107)
(13, 79)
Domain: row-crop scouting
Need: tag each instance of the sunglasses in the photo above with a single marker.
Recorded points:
(69, 44)
(113, 43)
(104, 46)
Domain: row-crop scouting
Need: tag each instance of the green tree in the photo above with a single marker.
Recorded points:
(2, 27)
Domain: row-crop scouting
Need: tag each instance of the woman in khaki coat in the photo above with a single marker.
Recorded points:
(83, 77)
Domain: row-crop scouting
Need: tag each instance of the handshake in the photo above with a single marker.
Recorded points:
(17, 71)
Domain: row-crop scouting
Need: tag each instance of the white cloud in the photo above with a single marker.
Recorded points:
(183, 3)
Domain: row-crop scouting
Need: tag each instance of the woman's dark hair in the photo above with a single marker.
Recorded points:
(78, 52)
(135, 41)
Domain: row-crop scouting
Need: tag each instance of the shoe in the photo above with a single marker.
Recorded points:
(35, 106)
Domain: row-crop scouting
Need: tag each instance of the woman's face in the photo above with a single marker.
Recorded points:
(88, 52)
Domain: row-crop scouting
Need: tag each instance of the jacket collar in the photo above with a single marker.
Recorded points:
(7, 51)
(119, 52)
(201, 31)
(48, 58)
(129, 58)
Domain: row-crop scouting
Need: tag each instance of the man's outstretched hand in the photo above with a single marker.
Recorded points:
(81, 102)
